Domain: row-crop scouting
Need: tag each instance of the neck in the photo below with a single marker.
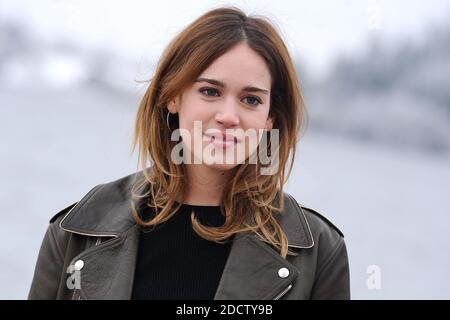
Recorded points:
(205, 185)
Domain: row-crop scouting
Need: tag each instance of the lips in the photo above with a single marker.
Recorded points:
(220, 136)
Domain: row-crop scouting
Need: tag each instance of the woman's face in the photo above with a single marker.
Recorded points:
(232, 97)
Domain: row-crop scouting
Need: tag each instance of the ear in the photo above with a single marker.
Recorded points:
(173, 105)
(269, 123)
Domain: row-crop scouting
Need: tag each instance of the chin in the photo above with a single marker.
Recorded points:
(223, 167)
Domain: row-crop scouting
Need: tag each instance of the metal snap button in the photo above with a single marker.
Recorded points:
(79, 264)
(283, 272)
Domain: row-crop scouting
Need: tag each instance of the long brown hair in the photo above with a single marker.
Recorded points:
(250, 200)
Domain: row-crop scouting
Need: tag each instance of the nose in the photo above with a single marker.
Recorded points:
(227, 115)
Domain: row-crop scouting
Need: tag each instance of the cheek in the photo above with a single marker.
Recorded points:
(254, 121)
(194, 111)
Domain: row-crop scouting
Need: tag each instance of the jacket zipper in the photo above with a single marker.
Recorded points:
(282, 293)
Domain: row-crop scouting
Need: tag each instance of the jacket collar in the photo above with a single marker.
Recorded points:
(105, 211)
(252, 270)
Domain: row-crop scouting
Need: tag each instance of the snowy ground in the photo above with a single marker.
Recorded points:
(391, 205)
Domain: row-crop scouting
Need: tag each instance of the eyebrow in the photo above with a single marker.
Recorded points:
(222, 85)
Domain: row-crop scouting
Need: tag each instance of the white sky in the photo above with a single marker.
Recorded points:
(315, 31)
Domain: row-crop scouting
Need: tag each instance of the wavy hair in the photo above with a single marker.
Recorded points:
(250, 200)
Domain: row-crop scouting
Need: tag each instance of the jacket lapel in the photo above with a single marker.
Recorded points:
(256, 271)
(108, 270)
(252, 271)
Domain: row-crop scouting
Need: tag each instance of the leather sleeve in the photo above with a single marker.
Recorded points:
(50, 263)
(332, 280)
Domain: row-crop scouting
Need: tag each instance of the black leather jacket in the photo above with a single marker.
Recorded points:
(89, 252)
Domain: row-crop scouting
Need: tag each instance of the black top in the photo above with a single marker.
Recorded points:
(173, 262)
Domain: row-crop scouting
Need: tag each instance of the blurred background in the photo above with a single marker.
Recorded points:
(375, 159)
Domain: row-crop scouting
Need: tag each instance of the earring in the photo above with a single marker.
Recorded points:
(167, 121)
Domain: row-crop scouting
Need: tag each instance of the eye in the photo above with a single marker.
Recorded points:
(212, 92)
(254, 99)
(208, 90)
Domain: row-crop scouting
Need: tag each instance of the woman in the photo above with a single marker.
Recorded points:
(200, 223)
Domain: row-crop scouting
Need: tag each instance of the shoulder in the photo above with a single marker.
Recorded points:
(317, 221)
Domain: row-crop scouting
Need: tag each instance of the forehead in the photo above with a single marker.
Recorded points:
(240, 66)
